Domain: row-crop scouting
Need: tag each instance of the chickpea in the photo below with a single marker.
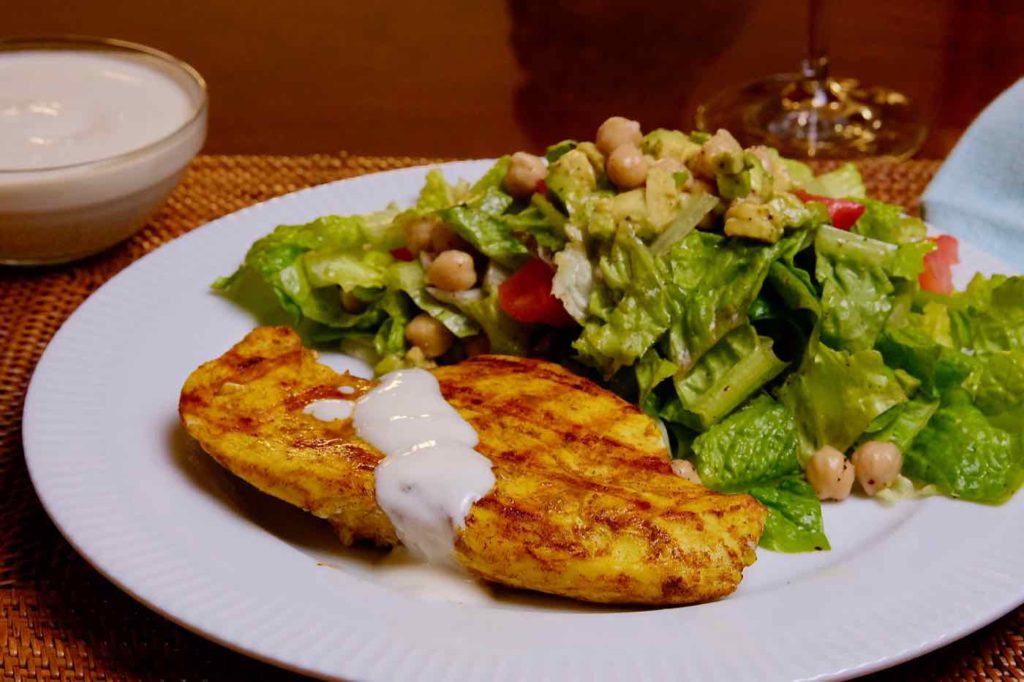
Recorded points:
(627, 167)
(429, 335)
(418, 234)
(477, 345)
(452, 271)
(830, 474)
(351, 303)
(617, 131)
(685, 469)
(525, 171)
(877, 465)
(444, 239)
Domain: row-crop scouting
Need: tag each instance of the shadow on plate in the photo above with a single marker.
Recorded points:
(315, 538)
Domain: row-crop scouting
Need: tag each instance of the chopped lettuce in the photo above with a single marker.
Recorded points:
(965, 455)
(408, 277)
(938, 367)
(901, 423)
(855, 298)
(754, 445)
(888, 223)
(487, 233)
(989, 315)
(436, 193)
(755, 451)
(574, 279)
(618, 332)
(737, 367)
(843, 182)
(836, 395)
(714, 280)
(692, 209)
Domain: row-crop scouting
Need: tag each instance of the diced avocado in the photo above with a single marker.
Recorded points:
(733, 185)
(662, 198)
(761, 182)
(571, 178)
(773, 164)
(752, 220)
(788, 212)
(601, 222)
(594, 155)
(630, 208)
(559, 149)
(669, 144)
(699, 136)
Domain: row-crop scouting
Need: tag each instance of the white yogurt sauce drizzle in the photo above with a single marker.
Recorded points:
(430, 475)
(329, 409)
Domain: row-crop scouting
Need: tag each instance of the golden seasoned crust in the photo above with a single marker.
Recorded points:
(585, 503)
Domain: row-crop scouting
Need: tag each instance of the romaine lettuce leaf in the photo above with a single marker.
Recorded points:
(855, 300)
(794, 516)
(888, 223)
(989, 315)
(692, 209)
(408, 277)
(714, 280)
(493, 179)
(836, 395)
(505, 335)
(901, 424)
(997, 383)
(279, 259)
(436, 193)
(966, 456)
(754, 445)
(574, 279)
(651, 370)
(754, 450)
(937, 367)
(841, 183)
(736, 368)
(618, 332)
(487, 233)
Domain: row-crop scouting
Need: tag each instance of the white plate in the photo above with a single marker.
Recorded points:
(134, 495)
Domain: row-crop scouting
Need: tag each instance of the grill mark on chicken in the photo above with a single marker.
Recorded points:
(585, 503)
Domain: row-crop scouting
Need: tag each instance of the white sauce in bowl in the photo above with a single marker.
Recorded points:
(64, 107)
(431, 475)
(93, 137)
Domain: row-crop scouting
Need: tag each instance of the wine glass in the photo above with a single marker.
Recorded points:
(811, 114)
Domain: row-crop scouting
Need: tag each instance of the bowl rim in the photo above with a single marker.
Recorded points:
(68, 42)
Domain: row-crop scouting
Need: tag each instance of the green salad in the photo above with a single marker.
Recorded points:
(797, 340)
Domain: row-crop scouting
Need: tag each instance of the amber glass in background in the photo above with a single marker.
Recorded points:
(811, 114)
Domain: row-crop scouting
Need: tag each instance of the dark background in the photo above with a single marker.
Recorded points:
(460, 78)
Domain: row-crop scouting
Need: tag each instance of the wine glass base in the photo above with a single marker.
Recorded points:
(830, 119)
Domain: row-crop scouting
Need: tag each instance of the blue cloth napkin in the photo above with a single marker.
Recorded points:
(978, 193)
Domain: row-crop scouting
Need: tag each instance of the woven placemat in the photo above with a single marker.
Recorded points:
(60, 620)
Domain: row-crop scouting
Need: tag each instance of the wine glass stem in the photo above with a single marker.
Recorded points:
(815, 66)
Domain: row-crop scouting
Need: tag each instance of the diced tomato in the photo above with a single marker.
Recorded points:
(938, 265)
(526, 296)
(402, 253)
(842, 212)
(541, 188)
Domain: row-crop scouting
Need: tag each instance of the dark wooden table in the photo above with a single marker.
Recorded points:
(464, 78)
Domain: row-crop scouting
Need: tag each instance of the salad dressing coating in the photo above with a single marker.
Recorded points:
(760, 312)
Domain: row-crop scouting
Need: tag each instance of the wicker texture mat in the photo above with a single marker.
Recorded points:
(59, 620)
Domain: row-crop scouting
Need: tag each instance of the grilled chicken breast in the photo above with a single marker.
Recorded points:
(585, 503)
